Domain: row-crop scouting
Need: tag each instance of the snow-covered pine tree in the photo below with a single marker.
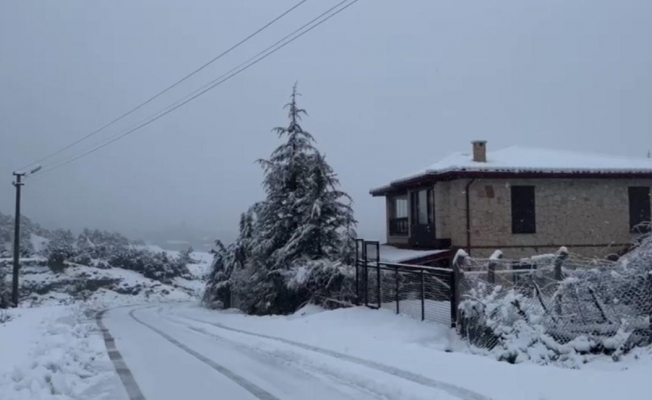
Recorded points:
(290, 244)
(327, 212)
(286, 183)
(349, 236)
(227, 260)
(218, 293)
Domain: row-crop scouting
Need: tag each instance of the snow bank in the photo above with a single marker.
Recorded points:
(53, 353)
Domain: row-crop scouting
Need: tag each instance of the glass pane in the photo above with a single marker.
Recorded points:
(423, 207)
(400, 208)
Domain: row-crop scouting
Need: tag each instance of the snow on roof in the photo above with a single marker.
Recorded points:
(391, 254)
(529, 159)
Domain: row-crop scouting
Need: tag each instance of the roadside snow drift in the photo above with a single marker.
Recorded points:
(54, 353)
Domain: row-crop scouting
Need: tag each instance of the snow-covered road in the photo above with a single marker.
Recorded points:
(173, 356)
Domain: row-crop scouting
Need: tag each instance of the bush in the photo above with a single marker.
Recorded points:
(185, 256)
(157, 266)
(5, 294)
(5, 317)
(601, 310)
(322, 282)
(57, 262)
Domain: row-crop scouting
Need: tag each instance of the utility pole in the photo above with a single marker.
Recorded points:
(18, 184)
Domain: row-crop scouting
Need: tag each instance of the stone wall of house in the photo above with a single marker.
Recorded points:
(442, 207)
(585, 215)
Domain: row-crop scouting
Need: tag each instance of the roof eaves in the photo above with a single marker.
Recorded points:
(433, 177)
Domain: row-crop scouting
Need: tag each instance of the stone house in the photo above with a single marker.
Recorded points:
(523, 201)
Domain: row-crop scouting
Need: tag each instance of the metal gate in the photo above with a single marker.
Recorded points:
(367, 273)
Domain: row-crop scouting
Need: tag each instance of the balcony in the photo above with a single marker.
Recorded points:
(399, 227)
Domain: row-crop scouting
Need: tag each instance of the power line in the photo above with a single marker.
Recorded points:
(211, 85)
(230, 49)
(231, 70)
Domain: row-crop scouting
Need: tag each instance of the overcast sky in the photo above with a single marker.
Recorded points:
(391, 86)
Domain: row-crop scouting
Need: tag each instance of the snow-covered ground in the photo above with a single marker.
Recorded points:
(54, 353)
(175, 349)
(424, 349)
(109, 286)
(179, 350)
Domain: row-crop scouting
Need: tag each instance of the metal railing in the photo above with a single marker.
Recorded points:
(399, 227)
(422, 292)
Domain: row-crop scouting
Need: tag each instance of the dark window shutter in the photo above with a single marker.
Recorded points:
(639, 209)
(523, 209)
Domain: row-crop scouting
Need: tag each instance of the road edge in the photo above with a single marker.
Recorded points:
(127, 378)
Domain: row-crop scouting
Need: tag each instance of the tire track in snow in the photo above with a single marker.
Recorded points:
(252, 388)
(454, 390)
(301, 365)
(127, 378)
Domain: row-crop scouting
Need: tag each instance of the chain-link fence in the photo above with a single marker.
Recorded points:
(560, 301)
(547, 306)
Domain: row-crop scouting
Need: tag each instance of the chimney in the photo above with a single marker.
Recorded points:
(480, 150)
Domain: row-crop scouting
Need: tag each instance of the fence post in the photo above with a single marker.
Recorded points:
(423, 296)
(493, 261)
(455, 285)
(357, 272)
(562, 255)
(366, 274)
(397, 301)
(380, 298)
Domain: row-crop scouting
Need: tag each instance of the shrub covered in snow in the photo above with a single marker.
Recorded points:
(60, 249)
(100, 245)
(5, 316)
(157, 266)
(28, 229)
(185, 256)
(604, 309)
(4, 287)
(106, 250)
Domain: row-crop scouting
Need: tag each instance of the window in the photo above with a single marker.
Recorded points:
(639, 209)
(398, 219)
(523, 214)
(423, 207)
(399, 207)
